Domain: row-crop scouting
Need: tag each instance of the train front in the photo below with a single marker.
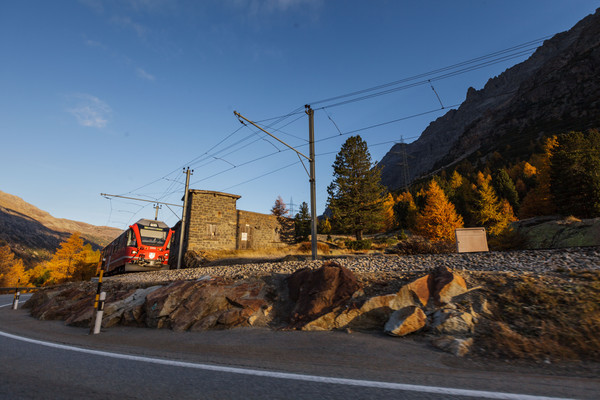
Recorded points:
(153, 239)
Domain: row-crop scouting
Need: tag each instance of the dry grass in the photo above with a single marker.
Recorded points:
(555, 317)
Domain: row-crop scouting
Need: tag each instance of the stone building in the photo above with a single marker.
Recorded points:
(215, 223)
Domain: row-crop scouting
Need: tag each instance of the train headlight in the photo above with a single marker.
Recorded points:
(134, 252)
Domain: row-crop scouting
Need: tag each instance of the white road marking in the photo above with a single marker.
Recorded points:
(284, 375)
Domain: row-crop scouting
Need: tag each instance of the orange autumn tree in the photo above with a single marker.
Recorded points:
(12, 270)
(539, 199)
(439, 219)
(73, 260)
(493, 213)
(389, 222)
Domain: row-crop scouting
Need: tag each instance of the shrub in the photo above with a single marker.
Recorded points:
(364, 244)
(420, 245)
(306, 247)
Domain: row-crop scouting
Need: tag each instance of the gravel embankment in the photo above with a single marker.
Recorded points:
(392, 266)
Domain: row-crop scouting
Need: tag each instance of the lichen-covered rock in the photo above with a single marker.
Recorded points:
(406, 320)
(456, 346)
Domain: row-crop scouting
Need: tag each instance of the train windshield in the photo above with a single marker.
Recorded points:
(153, 236)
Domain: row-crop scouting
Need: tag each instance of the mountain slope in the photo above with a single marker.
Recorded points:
(556, 89)
(33, 234)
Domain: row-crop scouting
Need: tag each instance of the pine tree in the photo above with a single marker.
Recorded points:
(302, 223)
(439, 219)
(575, 174)
(356, 194)
(279, 209)
(405, 211)
(505, 187)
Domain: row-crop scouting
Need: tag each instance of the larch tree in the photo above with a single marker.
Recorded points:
(539, 200)
(494, 214)
(12, 271)
(439, 219)
(279, 209)
(355, 196)
(389, 222)
(64, 261)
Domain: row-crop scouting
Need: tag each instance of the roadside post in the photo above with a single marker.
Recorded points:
(96, 299)
(99, 313)
(17, 295)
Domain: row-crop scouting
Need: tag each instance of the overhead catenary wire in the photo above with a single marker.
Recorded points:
(215, 154)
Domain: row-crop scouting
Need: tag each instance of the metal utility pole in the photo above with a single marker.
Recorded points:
(156, 207)
(311, 159)
(187, 173)
(313, 188)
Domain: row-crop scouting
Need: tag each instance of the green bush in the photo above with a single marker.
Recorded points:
(364, 244)
(419, 245)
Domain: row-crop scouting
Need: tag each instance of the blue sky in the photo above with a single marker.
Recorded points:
(117, 96)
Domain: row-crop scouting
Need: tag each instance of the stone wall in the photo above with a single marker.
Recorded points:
(212, 220)
(214, 223)
(258, 231)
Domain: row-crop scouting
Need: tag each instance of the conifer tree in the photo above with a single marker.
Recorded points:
(505, 187)
(405, 211)
(575, 174)
(495, 215)
(389, 222)
(12, 270)
(539, 200)
(356, 194)
(302, 223)
(439, 219)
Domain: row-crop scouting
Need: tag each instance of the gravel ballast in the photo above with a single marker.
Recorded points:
(530, 262)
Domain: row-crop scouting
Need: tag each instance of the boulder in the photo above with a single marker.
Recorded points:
(318, 292)
(405, 320)
(456, 346)
(452, 322)
(202, 305)
(444, 285)
(371, 315)
(127, 311)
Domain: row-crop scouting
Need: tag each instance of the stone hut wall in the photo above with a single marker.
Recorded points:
(259, 231)
(212, 220)
(214, 223)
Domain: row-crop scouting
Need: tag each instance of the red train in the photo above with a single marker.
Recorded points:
(142, 247)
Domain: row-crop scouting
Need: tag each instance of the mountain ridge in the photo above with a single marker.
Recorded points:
(529, 94)
(33, 234)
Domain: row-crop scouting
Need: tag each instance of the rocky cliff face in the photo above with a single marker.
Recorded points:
(32, 233)
(557, 89)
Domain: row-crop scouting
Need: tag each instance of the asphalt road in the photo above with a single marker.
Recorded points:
(48, 360)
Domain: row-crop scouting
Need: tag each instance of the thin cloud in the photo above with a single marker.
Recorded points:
(145, 75)
(128, 23)
(89, 110)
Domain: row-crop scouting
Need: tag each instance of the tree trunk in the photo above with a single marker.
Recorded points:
(359, 234)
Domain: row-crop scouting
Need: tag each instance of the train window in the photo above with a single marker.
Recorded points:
(131, 241)
(153, 236)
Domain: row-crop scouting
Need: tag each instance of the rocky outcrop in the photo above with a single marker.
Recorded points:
(555, 90)
(316, 292)
(552, 233)
(325, 298)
